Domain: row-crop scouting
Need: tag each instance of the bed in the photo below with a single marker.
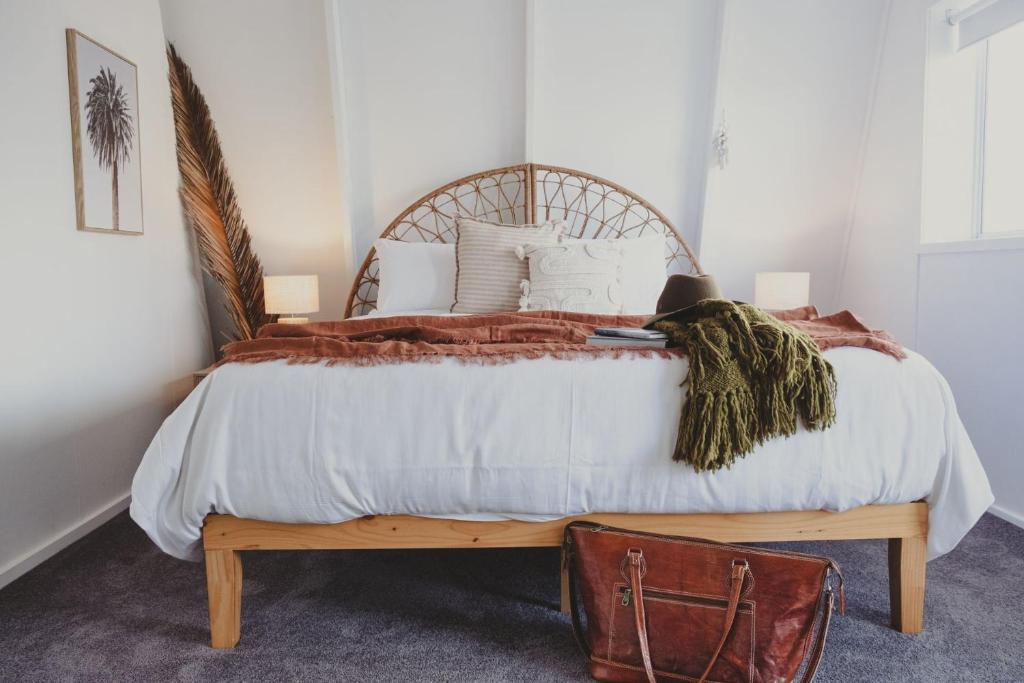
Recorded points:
(273, 456)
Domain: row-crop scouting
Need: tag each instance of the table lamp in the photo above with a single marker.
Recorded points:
(290, 294)
(779, 291)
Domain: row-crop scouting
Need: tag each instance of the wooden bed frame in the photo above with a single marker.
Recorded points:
(591, 207)
(224, 536)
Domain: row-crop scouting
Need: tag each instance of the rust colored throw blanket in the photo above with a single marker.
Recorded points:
(483, 339)
(840, 329)
(498, 338)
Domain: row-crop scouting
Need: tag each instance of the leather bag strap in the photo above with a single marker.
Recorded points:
(828, 605)
(819, 644)
(739, 573)
(569, 557)
(635, 557)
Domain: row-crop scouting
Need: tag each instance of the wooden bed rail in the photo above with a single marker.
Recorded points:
(905, 525)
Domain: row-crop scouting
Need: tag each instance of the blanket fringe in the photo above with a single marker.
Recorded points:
(484, 357)
(752, 378)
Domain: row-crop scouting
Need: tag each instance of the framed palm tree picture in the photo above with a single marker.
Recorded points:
(104, 137)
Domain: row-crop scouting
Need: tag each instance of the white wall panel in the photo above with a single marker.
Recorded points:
(795, 82)
(433, 91)
(970, 325)
(624, 90)
(880, 278)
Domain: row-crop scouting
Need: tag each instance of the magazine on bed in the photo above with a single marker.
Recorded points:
(602, 340)
(628, 333)
(635, 337)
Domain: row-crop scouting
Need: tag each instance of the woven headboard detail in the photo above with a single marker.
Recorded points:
(528, 193)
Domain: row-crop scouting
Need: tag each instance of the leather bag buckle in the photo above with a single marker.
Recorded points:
(633, 556)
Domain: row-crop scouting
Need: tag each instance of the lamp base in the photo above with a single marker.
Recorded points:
(293, 321)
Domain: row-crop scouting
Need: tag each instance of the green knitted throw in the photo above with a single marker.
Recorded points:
(751, 375)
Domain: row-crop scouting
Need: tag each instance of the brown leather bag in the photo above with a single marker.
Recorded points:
(665, 608)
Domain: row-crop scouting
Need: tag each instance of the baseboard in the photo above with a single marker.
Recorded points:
(1012, 517)
(36, 557)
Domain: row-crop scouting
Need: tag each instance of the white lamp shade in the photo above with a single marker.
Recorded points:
(291, 293)
(779, 291)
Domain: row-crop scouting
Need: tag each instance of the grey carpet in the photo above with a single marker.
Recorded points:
(112, 607)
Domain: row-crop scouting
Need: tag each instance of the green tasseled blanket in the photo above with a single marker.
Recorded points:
(751, 375)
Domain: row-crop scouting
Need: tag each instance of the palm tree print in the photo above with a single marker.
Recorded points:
(109, 124)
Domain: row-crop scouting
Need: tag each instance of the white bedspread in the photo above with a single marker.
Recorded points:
(536, 439)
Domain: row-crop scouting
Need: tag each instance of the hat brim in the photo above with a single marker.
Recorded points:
(662, 316)
(679, 312)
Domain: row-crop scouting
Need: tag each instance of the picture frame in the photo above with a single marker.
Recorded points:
(105, 139)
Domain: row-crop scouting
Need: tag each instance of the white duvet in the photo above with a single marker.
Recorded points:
(536, 439)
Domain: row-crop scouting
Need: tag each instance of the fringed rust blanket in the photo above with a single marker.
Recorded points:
(483, 339)
(751, 374)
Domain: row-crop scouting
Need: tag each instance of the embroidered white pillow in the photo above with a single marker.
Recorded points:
(576, 275)
(487, 271)
(643, 272)
(415, 276)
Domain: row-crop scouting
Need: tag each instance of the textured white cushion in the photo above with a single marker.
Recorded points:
(488, 272)
(415, 276)
(576, 275)
(643, 272)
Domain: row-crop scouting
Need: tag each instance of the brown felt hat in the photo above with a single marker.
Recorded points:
(681, 292)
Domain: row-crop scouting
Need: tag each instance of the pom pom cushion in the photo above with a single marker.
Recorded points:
(583, 276)
(643, 271)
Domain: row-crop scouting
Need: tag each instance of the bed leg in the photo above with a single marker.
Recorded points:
(224, 588)
(564, 605)
(906, 583)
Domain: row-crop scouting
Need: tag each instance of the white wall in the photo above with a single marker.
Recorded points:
(880, 277)
(433, 91)
(970, 325)
(795, 80)
(625, 91)
(959, 305)
(100, 331)
(263, 68)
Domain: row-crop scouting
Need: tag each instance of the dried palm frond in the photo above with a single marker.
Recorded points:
(211, 206)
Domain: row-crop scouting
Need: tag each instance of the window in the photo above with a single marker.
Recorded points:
(973, 175)
(1002, 129)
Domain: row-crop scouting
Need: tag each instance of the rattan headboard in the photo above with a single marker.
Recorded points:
(592, 207)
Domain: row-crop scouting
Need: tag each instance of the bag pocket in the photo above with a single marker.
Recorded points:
(683, 630)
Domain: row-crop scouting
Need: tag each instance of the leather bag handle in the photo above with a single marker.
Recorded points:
(740, 569)
(819, 645)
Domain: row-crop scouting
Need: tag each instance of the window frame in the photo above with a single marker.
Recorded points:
(951, 222)
(980, 125)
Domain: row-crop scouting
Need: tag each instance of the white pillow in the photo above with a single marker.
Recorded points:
(643, 272)
(576, 275)
(415, 276)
